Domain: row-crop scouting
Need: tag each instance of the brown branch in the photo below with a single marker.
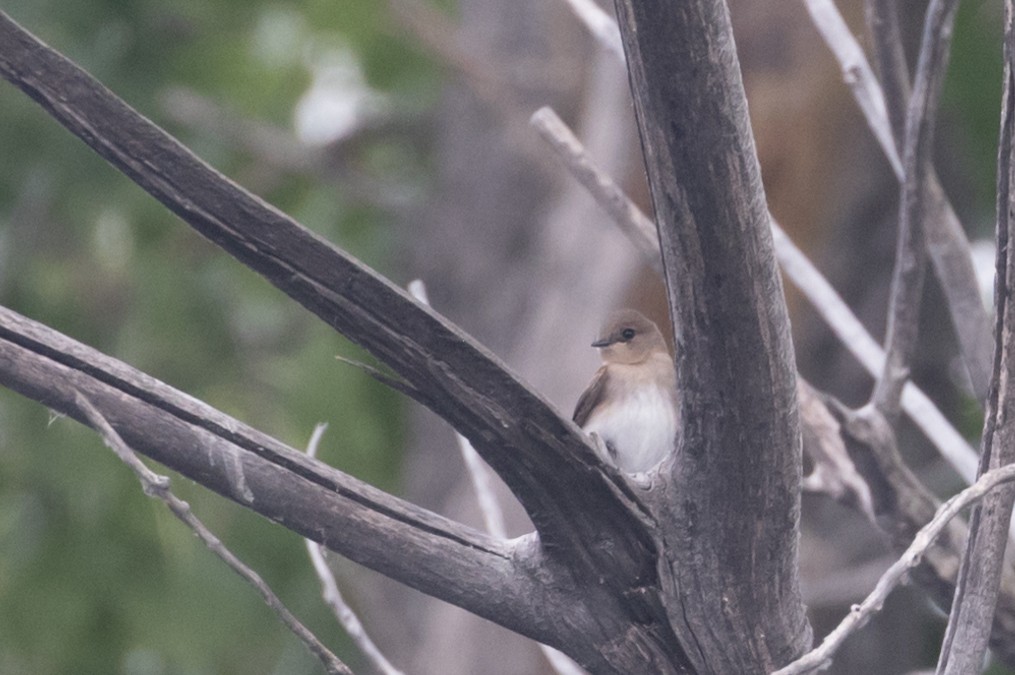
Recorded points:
(157, 487)
(969, 623)
(640, 230)
(736, 484)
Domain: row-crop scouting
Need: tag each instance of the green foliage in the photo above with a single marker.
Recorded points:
(94, 576)
(972, 98)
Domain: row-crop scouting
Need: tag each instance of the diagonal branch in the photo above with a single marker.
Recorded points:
(819, 657)
(540, 455)
(857, 74)
(350, 517)
(947, 244)
(157, 486)
(884, 107)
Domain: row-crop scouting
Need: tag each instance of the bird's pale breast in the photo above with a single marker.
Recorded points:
(640, 425)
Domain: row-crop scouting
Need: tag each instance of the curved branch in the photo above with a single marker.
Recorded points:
(540, 455)
(596, 556)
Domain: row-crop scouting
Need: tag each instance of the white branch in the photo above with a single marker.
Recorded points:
(157, 487)
(600, 25)
(333, 597)
(860, 614)
(493, 516)
(638, 227)
(857, 74)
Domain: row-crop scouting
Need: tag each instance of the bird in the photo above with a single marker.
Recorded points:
(631, 402)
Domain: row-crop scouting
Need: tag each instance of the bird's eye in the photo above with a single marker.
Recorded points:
(627, 334)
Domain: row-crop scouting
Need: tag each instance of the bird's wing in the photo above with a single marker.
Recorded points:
(591, 397)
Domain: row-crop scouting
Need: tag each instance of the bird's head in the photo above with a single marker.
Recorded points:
(629, 337)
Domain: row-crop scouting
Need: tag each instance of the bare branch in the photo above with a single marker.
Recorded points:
(834, 472)
(854, 336)
(969, 624)
(883, 24)
(333, 597)
(479, 474)
(600, 25)
(857, 74)
(925, 538)
(157, 487)
(907, 280)
(366, 525)
(804, 275)
(540, 454)
(946, 242)
(635, 224)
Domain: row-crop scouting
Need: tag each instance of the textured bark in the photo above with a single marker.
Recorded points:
(596, 546)
(531, 273)
(976, 592)
(732, 532)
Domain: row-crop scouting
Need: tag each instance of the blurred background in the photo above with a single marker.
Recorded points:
(399, 130)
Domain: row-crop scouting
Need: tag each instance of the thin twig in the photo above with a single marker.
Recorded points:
(886, 37)
(636, 225)
(860, 614)
(482, 485)
(493, 516)
(157, 487)
(910, 255)
(333, 597)
(829, 305)
(479, 474)
(857, 74)
(946, 241)
(600, 25)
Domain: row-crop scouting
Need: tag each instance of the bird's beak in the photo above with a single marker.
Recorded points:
(599, 344)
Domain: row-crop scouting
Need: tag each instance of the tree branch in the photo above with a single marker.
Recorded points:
(736, 483)
(857, 74)
(350, 517)
(540, 455)
(884, 107)
(333, 597)
(924, 539)
(157, 487)
(907, 280)
(616, 612)
(969, 623)
(946, 241)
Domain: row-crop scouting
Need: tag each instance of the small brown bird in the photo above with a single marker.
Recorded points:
(631, 403)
